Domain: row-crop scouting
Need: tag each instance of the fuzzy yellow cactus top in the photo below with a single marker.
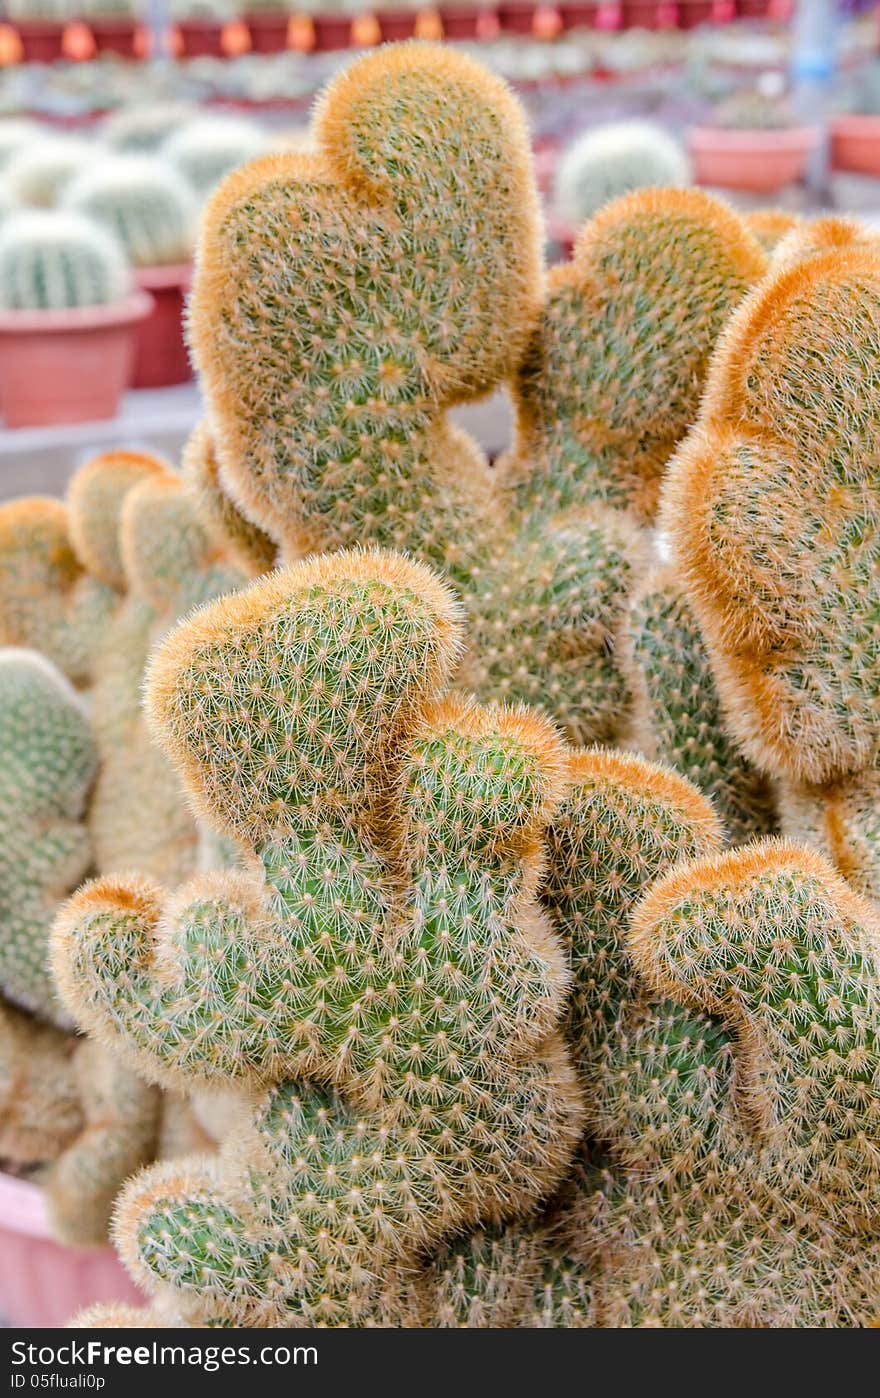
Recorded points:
(772, 508)
(343, 301)
(612, 377)
(383, 976)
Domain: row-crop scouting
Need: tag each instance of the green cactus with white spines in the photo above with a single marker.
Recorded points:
(606, 162)
(53, 261)
(676, 714)
(47, 770)
(39, 174)
(142, 202)
(143, 128)
(205, 150)
(743, 1110)
(391, 950)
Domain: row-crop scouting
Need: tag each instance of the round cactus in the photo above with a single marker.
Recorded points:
(16, 134)
(145, 203)
(56, 261)
(143, 129)
(609, 161)
(205, 150)
(38, 176)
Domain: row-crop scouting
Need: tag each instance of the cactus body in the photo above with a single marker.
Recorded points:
(142, 202)
(609, 161)
(51, 261)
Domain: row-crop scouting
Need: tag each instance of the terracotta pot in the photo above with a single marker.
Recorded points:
(396, 25)
(268, 31)
(331, 32)
(114, 36)
(200, 38)
(42, 41)
(758, 160)
(692, 13)
(517, 18)
(752, 9)
(68, 366)
(43, 1284)
(161, 357)
(579, 16)
(466, 22)
(855, 144)
(650, 14)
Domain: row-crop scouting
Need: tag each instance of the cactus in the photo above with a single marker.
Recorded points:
(339, 770)
(251, 549)
(40, 173)
(842, 820)
(205, 150)
(749, 1176)
(40, 1108)
(47, 766)
(771, 514)
(51, 261)
(611, 160)
(142, 129)
(612, 378)
(770, 226)
(306, 420)
(822, 235)
(676, 716)
(143, 202)
(17, 133)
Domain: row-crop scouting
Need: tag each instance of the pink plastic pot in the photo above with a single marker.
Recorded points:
(42, 41)
(268, 31)
(200, 38)
(68, 366)
(465, 22)
(43, 1284)
(114, 36)
(396, 25)
(855, 144)
(757, 160)
(161, 357)
(331, 32)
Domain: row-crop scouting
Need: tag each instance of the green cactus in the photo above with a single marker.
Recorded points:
(390, 952)
(251, 549)
(771, 512)
(52, 261)
(744, 1111)
(143, 128)
(47, 766)
(205, 150)
(39, 174)
(611, 160)
(143, 202)
(676, 714)
(414, 283)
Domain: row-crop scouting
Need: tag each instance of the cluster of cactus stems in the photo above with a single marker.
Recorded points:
(520, 1033)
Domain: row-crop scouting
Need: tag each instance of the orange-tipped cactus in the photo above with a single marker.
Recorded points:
(770, 226)
(772, 509)
(381, 976)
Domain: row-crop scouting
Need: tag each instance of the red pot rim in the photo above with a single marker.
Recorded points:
(126, 312)
(858, 123)
(163, 277)
(23, 1208)
(720, 139)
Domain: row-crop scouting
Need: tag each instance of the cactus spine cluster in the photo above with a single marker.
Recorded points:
(54, 262)
(388, 970)
(143, 202)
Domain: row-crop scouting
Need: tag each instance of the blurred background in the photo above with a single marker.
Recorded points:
(118, 118)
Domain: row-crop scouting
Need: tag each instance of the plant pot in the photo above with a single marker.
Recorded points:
(692, 13)
(68, 366)
(757, 160)
(42, 41)
(396, 25)
(855, 144)
(752, 9)
(579, 16)
(331, 32)
(114, 36)
(200, 38)
(268, 31)
(516, 18)
(161, 358)
(650, 14)
(43, 1284)
(468, 22)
